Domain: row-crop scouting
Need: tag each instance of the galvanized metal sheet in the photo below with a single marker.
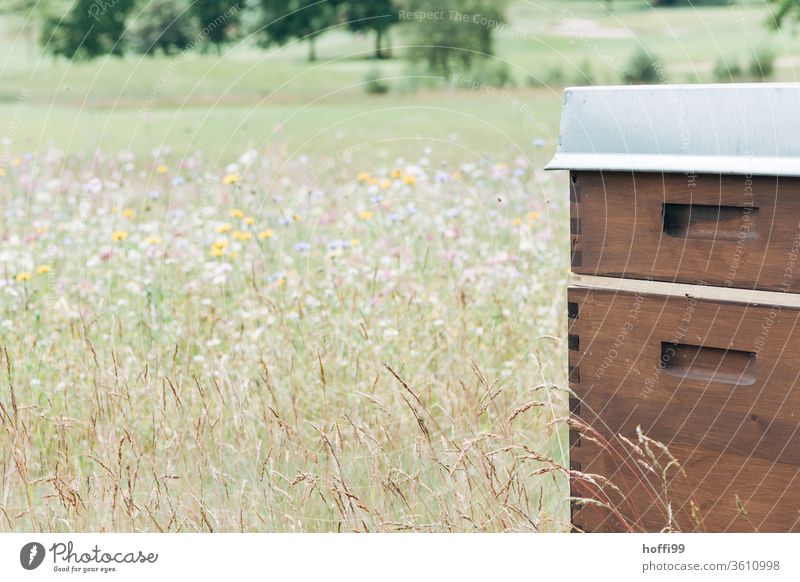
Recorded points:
(730, 129)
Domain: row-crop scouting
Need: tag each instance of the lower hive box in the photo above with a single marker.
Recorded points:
(685, 407)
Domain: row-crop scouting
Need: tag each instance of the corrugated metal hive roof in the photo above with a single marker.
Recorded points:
(721, 129)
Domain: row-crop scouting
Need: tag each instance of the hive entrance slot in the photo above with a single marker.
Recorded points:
(701, 221)
(708, 364)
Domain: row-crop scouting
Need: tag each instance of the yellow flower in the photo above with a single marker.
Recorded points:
(394, 174)
(230, 179)
(517, 221)
(119, 235)
(42, 269)
(41, 230)
(236, 213)
(365, 215)
(269, 233)
(457, 175)
(223, 228)
(354, 242)
(409, 179)
(221, 243)
(362, 176)
(386, 184)
(533, 216)
(17, 162)
(216, 251)
(242, 235)
(128, 213)
(233, 255)
(161, 169)
(22, 277)
(249, 221)
(153, 240)
(2, 172)
(297, 217)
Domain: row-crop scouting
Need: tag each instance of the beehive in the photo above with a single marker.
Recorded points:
(684, 306)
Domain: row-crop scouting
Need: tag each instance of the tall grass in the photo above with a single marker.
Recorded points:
(379, 353)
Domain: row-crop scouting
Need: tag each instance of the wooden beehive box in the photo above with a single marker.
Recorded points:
(684, 306)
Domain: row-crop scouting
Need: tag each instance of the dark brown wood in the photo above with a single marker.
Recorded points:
(717, 383)
(734, 231)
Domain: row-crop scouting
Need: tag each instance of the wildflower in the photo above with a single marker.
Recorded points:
(233, 254)
(362, 176)
(128, 213)
(409, 179)
(395, 174)
(249, 221)
(268, 233)
(42, 269)
(365, 215)
(354, 242)
(302, 247)
(221, 243)
(297, 217)
(22, 277)
(223, 228)
(230, 179)
(517, 221)
(153, 240)
(242, 235)
(161, 169)
(385, 184)
(533, 216)
(216, 251)
(119, 235)
(17, 162)
(236, 213)
(2, 172)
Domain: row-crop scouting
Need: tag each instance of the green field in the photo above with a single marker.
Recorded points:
(239, 294)
(246, 97)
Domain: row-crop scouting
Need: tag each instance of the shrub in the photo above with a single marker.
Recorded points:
(762, 65)
(644, 67)
(585, 76)
(490, 73)
(374, 83)
(727, 70)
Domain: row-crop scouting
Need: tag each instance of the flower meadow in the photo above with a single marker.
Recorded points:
(281, 344)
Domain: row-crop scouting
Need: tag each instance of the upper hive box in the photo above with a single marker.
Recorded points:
(688, 183)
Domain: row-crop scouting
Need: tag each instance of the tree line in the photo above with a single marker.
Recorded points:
(450, 35)
(86, 29)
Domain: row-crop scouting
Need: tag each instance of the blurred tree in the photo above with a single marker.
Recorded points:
(453, 33)
(376, 15)
(163, 25)
(218, 19)
(283, 20)
(784, 9)
(90, 28)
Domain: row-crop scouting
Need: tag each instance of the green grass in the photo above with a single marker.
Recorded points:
(219, 103)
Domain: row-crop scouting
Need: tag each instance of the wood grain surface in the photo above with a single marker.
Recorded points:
(729, 231)
(717, 382)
